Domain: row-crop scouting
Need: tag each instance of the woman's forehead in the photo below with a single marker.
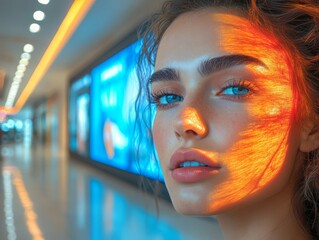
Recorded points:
(212, 33)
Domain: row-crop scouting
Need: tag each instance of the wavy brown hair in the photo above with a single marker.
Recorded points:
(295, 23)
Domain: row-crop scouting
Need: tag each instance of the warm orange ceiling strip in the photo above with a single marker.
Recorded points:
(72, 19)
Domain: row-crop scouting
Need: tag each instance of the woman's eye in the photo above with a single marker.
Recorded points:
(169, 99)
(166, 100)
(236, 90)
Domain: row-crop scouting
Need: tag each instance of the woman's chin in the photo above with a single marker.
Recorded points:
(195, 209)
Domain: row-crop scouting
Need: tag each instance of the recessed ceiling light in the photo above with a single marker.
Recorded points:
(14, 89)
(25, 56)
(38, 15)
(24, 61)
(21, 68)
(19, 74)
(17, 79)
(34, 27)
(45, 2)
(28, 48)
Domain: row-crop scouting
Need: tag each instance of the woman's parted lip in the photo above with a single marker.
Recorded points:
(191, 154)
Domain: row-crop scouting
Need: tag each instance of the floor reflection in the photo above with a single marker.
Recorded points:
(12, 178)
(8, 206)
(68, 199)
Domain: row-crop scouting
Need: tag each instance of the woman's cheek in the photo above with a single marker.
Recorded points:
(161, 135)
(156, 133)
(263, 147)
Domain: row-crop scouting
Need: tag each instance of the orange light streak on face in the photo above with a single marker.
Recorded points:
(261, 153)
(30, 215)
(73, 18)
(191, 120)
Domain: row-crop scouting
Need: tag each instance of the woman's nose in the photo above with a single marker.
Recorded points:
(190, 123)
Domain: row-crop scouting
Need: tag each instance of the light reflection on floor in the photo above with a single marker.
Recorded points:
(12, 176)
(8, 206)
(72, 200)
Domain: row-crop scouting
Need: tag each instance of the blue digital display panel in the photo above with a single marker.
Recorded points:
(113, 93)
(79, 103)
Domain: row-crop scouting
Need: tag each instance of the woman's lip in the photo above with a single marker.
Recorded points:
(183, 155)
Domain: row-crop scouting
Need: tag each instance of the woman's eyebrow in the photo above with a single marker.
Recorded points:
(165, 74)
(207, 67)
(212, 65)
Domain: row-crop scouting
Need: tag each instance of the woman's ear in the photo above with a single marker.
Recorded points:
(309, 136)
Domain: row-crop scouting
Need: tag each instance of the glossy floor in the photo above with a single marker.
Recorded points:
(47, 196)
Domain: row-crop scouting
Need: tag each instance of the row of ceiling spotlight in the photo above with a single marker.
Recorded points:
(25, 57)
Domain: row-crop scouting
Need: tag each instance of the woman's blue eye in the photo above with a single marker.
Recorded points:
(235, 90)
(169, 99)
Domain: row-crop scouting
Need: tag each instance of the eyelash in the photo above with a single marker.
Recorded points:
(156, 97)
(239, 84)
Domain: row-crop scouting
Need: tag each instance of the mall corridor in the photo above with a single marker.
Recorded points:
(68, 88)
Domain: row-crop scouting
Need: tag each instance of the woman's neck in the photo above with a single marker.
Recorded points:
(273, 218)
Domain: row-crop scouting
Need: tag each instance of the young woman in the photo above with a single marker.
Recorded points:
(236, 130)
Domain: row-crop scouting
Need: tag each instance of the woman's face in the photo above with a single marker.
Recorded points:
(224, 129)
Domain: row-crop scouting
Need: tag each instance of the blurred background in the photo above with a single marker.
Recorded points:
(68, 159)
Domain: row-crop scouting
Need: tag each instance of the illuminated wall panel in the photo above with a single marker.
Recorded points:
(79, 103)
(113, 93)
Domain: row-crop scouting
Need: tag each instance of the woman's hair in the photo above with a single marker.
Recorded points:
(295, 23)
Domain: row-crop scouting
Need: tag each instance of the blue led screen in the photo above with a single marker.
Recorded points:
(79, 103)
(113, 92)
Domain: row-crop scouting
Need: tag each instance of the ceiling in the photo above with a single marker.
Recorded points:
(107, 22)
